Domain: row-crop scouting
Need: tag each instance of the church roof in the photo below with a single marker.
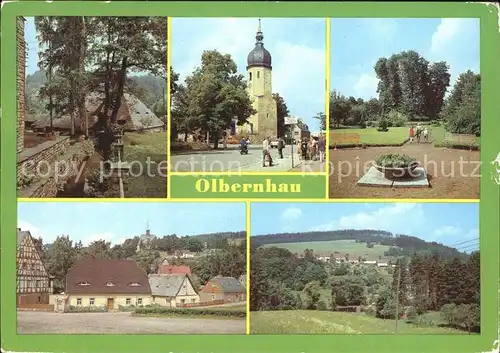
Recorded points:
(259, 56)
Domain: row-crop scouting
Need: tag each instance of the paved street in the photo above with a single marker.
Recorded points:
(29, 322)
(231, 160)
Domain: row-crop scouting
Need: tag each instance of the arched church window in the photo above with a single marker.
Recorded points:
(258, 74)
(249, 76)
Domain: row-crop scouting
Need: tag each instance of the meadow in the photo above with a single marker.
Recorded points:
(146, 151)
(329, 322)
(342, 246)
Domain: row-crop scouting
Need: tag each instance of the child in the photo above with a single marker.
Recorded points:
(426, 135)
(412, 133)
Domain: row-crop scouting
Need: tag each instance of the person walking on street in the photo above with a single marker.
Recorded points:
(224, 141)
(266, 152)
(281, 145)
(412, 133)
(321, 148)
(303, 148)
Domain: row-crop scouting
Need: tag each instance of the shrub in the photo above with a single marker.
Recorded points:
(411, 313)
(188, 312)
(321, 305)
(394, 160)
(449, 314)
(383, 125)
(370, 310)
(86, 309)
(362, 125)
(423, 320)
(126, 308)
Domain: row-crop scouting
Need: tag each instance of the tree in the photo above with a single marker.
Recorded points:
(311, 290)
(462, 109)
(322, 120)
(99, 249)
(61, 256)
(282, 112)
(217, 95)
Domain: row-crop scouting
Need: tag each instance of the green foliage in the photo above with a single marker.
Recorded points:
(321, 305)
(462, 110)
(189, 312)
(394, 160)
(449, 313)
(383, 125)
(312, 293)
(86, 309)
(423, 321)
(348, 291)
(397, 119)
(127, 308)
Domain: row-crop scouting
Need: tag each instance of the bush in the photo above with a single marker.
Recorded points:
(383, 125)
(188, 312)
(370, 310)
(126, 308)
(362, 125)
(424, 321)
(394, 160)
(321, 305)
(411, 313)
(449, 314)
(86, 309)
(396, 119)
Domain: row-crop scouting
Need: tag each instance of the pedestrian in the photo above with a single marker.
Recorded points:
(224, 141)
(411, 133)
(281, 146)
(266, 152)
(321, 148)
(303, 148)
(426, 135)
(299, 148)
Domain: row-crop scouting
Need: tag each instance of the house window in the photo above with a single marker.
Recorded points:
(213, 296)
(92, 301)
(193, 300)
(84, 283)
(183, 301)
(250, 76)
(127, 301)
(139, 301)
(258, 74)
(79, 301)
(134, 284)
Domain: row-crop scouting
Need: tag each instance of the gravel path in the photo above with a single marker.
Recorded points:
(29, 322)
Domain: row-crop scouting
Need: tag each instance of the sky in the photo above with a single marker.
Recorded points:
(446, 223)
(297, 47)
(32, 46)
(115, 222)
(357, 44)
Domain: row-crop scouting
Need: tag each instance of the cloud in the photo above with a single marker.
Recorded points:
(298, 66)
(291, 214)
(390, 218)
(447, 31)
(366, 86)
(34, 230)
(445, 231)
(472, 234)
(106, 236)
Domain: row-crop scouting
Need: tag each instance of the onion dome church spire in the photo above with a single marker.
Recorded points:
(259, 56)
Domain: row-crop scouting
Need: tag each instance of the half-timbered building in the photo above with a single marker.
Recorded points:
(34, 285)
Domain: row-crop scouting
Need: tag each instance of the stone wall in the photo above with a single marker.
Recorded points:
(66, 165)
(29, 160)
(21, 72)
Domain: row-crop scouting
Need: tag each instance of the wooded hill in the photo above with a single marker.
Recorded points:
(400, 244)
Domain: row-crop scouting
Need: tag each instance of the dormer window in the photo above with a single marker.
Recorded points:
(84, 283)
(134, 284)
(109, 284)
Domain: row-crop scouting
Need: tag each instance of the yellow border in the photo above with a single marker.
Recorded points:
(169, 122)
(244, 173)
(247, 279)
(327, 105)
(247, 200)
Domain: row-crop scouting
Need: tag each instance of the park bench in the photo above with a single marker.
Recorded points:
(345, 137)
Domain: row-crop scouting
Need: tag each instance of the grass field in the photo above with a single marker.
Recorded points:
(342, 246)
(146, 151)
(370, 136)
(327, 322)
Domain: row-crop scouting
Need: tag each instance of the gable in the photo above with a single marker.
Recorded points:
(27, 252)
(187, 288)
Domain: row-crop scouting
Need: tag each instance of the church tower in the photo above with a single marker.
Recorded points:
(259, 84)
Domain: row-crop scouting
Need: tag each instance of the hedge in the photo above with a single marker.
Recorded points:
(458, 145)
(188, 312)
(86, 309)
(364, 145)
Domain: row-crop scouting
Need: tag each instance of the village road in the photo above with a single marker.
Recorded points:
(29, 322)
(231, 160)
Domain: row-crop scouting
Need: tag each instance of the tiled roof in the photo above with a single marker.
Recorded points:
(94, 276)
(171, 269)
(166, 285)
(228, 284)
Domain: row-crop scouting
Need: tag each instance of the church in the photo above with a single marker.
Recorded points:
(259, 85)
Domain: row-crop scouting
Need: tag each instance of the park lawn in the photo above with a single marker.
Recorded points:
(328, 322)
(139, 148)
(372, 137)
(342, 246)
(437, 136)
